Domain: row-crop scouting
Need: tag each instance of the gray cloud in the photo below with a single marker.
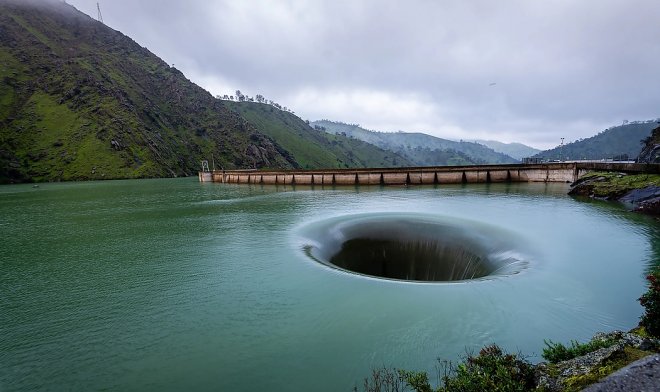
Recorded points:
(562, 68)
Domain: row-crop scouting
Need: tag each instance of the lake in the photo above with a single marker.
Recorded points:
(172, 284)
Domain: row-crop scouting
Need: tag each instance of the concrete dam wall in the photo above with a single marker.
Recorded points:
(550, 172)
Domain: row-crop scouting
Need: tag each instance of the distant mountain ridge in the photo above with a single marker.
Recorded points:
(514, 150)
(420, 148)
(620, 142)
(80, 101)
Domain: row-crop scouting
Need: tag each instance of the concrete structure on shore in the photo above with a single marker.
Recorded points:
(548, 172)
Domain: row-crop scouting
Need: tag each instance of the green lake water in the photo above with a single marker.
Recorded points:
(153, 285)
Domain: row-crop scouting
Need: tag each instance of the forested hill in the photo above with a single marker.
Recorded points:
(421, 148)
(313, 148)
(79, 100)
(620, 142)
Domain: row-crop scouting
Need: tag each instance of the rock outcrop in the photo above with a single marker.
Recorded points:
(645, 200)
(595, 365)
(639, 376)
(639, 191)
(651, 151)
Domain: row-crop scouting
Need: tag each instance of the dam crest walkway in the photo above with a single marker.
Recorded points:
(546, 172)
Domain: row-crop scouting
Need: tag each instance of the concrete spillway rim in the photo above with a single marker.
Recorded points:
(513, 260)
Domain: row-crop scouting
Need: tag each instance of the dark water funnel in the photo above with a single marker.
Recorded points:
(413, 248)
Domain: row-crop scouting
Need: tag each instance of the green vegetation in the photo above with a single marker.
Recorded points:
(611, 365)
(93, 104)
(421, 149)
(622, 142)
(612, 185)
(494, 370)
(314, 149)
(557, 352)
(36, 33)
(491, 370)
(651, 302)
(385, 380)
(79, 101)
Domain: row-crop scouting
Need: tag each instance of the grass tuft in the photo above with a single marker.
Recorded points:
(557, 352)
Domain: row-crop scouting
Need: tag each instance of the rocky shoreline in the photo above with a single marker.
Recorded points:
(580, 372)
(640, 191)
(631, 363)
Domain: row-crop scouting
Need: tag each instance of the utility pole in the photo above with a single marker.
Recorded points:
(561, 149)
(100, 17)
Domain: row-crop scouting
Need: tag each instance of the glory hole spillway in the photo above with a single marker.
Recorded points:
(414, 247)
(174, 284)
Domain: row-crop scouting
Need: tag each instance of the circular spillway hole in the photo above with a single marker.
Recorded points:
(411, 260)
(413, 248)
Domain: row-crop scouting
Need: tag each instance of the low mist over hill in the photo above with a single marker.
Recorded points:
(621, 142)
(514, 150)
(420, 148)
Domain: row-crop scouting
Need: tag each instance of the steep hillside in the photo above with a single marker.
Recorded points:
(79, 100)
(514, 150)
(312, 148)
(622, 142)
(436, 151)
(650, 148)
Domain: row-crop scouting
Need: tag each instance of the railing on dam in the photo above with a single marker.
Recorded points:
(549, 172)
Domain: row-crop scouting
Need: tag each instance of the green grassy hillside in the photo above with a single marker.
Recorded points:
(312, 148)
(79, 100)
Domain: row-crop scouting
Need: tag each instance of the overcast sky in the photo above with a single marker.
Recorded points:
(527, 71)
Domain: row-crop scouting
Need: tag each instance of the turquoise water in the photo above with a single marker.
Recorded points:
(172, 284)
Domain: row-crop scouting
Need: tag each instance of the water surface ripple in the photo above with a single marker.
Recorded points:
(173, 285)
